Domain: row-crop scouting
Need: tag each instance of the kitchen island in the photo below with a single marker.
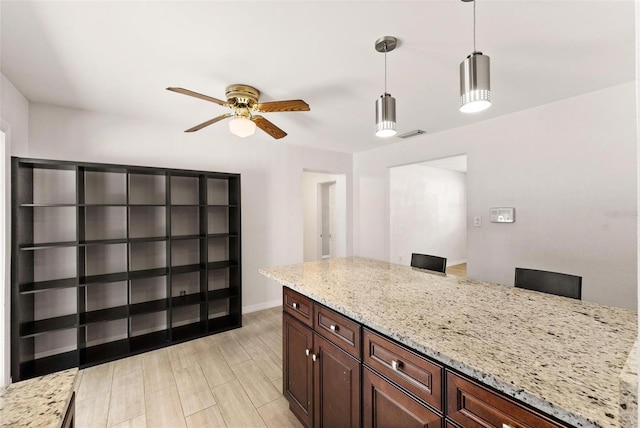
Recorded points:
(46, 401)
(561, 356)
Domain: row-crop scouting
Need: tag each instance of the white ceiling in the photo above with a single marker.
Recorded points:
(118, 57)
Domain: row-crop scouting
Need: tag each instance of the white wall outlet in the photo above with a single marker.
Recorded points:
(400, 259)
(477, 221)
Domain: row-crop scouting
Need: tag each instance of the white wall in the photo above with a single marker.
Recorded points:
(311, 180)
(14, 116)
(272, 208)
(14, 122)
(428, 213)
(570, 170)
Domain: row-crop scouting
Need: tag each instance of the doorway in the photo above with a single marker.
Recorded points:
(428, 211)
(4, 268)
(325, 215)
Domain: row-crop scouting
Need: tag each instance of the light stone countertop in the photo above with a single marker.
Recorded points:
(38, 402)
(629, 390)
(560, 355)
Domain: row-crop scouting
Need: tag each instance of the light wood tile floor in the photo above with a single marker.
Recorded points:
(458, 270)
(232, 379)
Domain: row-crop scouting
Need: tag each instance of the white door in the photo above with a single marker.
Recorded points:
(332, 219)
(325, 222)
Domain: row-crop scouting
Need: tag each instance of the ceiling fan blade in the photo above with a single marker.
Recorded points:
(209, 122)
(197, 95)
(289, 105)
(269, 127)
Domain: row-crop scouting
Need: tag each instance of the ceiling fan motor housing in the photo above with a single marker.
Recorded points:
(242, 95)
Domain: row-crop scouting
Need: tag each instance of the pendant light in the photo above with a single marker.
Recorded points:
(475, 90)
(386, 104)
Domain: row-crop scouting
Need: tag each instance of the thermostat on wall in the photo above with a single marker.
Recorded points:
(503, 215)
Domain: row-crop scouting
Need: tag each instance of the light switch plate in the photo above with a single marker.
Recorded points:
(503, 215)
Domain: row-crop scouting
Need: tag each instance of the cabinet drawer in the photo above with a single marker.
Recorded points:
(411, 371)
(386, 405)
(298, 306)
(338, 329)
(474, 406)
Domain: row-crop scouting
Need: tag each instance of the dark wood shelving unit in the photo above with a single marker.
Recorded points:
(113, 260)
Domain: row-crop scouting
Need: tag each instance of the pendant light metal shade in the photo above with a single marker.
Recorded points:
(386, 104)
(475, 86)
(385, 116)
(475, 89)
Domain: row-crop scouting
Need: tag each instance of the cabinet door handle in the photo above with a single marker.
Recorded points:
(333, 327)
(507, 426)
(307, 351)
(295, 305)
(397, 365)
(314, 357)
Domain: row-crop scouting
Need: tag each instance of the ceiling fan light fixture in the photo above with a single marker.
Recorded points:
(242, 127)
(475, 77)
(386, 104)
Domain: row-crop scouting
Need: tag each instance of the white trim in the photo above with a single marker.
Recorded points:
(261, 306)
(456, 262)
(5, 258)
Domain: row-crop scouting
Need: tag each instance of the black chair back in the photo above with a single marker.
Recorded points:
(560, 284)
(425, 261)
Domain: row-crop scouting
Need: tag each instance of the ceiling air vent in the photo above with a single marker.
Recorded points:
(412, 133)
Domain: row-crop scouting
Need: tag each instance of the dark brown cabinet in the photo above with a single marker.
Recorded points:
(474, 406)
(405, 368)
(320, 380)
(387, 406)
(297, 368)
(336, 378)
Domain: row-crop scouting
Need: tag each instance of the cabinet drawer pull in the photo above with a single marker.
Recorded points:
(397, 365)
(507, 426)
(333, 327)
(314, 357)
(295, 305)
(307, 352)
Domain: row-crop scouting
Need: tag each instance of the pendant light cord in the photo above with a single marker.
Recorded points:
(385, 68)
(474, 25)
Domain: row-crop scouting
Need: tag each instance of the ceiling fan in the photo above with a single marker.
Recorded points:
(243, 101)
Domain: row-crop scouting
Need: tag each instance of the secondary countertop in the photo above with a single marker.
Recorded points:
(560, 355)
(38, 402)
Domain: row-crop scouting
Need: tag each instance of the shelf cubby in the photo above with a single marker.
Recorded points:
(53, 363)
(147, 323)
(147, 221)
(185, 221)
(147, 188)
(104, 223)
(147, 256)
(185, 189)
(113, 260)
(148, 341)
(103, 185)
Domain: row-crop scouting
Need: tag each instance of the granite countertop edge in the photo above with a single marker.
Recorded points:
(477, 374)
(15, 411)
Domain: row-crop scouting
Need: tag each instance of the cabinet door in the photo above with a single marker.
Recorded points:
(297, 368)
(474, 406)
(336, 386)
(386, 405)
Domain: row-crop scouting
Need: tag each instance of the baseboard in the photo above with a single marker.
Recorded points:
(261, 306)
(456, 262)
